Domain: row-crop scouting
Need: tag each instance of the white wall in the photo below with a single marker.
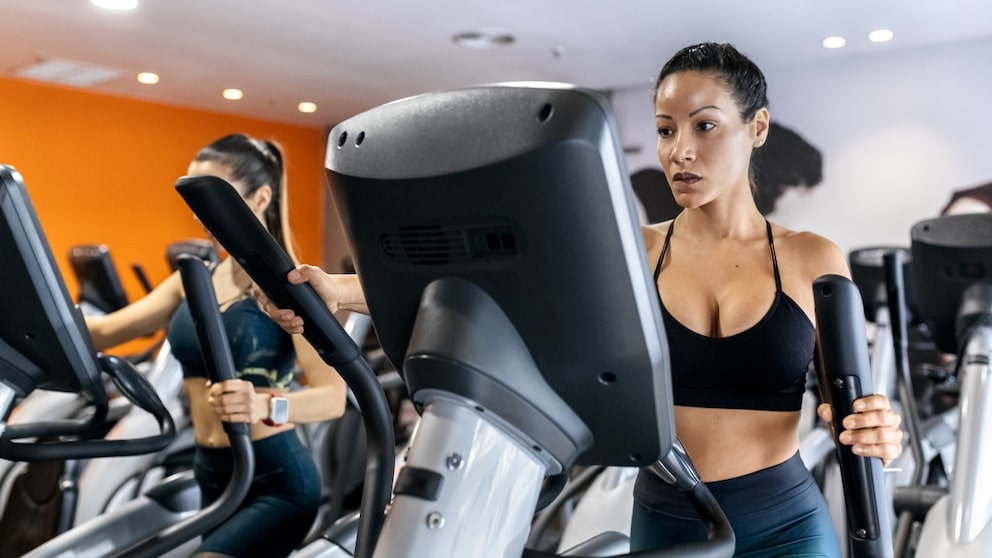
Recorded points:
(898, 132)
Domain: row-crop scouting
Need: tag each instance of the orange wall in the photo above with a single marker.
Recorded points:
(102, 169)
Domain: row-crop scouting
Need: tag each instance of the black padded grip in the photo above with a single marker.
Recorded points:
(845, 375)
(220, 366)
(210, 332)
(223, 212)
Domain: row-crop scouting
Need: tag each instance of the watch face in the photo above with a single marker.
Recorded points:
(280, 410)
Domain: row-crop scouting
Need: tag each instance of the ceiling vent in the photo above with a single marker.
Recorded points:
(69, 72)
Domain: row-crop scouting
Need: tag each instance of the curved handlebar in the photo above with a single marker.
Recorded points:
(224, 213)
(677, 469)
(133, 385)
(845, 375)
(220, 366)
(209, 328)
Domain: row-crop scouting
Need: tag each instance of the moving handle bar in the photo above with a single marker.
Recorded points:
(223, 212)
(82, 445)
(220, 366)
(844, 374)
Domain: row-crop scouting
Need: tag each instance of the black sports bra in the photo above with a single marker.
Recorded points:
(263, 353)
(761, 368)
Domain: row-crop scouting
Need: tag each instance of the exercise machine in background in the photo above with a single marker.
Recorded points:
(100, 288)
(44, 345)
(199, 247)
(954, 289)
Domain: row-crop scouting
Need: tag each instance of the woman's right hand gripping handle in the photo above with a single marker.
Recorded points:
(338, 292)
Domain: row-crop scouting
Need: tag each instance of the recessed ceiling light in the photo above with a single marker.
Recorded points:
(483, 40)
(834, 42)
(880, 36)
(148, 78)
(233, 94)
(115, 4)
(307, 107)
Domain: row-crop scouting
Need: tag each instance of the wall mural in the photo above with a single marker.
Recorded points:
(969, 200)
(786, 161)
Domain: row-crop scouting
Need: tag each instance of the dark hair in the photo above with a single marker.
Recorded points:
(742, 76)
(254, 163)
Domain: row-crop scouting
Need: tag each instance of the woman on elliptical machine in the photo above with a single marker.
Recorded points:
(737, 301)
(736, 295)
(284, 499)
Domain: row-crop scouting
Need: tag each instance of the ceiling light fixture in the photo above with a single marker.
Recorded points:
(69, 72)
(307, 107)
(115, 4)
(880, 36)
(148, 78)
(834, 42)
(483, 40)
(233, 94)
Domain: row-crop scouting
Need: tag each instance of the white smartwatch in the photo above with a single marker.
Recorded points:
(278, 411)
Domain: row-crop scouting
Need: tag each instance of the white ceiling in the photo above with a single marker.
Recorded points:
(351, 55)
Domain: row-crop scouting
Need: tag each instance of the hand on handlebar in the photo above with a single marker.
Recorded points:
(322, 283)
(873, 431)
(237, 401)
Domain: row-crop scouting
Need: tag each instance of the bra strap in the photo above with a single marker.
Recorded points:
(771, 244)
(664, 250)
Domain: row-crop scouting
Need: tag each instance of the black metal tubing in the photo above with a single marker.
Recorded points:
(845, 375)
(224, 213)
(220, 366)
(720, 543)
(895, 288)
(134, 386)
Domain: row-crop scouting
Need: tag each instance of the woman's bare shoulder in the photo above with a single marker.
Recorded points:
(816, 255)
(654, 236)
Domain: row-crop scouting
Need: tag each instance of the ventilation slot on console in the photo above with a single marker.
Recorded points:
(440, 245)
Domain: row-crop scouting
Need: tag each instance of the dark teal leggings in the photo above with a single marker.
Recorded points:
(279, 509)
(776, 512)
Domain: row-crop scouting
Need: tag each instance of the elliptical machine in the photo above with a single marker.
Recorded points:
(455, 253)
(954, 290)
(44, 345)
(100, 287)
